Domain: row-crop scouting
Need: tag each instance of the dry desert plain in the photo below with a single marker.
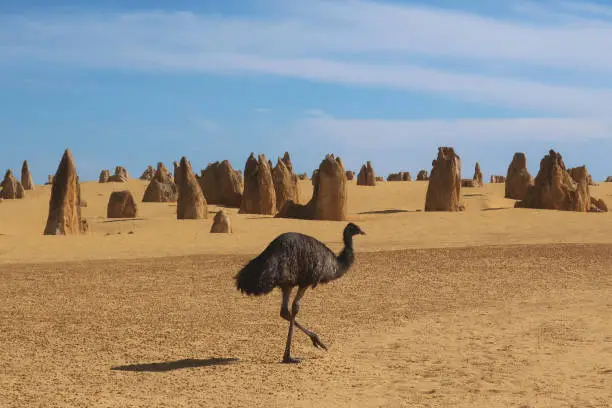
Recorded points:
(491, 307)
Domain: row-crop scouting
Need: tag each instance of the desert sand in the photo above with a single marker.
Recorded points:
(491, 307)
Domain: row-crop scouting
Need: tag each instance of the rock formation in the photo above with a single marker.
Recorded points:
(422, 175)
(444, 189)
(329, 197)
(478, 181)
(11, 188)
(469, 183)
(401, 176)
(121, 204)
(191, 204)
(64, 205)
(50, 178)
(26, 177)
(221, 184)
(366, 176)
(315, 176)
(380, 178)
(303, 176)
(221, 223)
(498, 179)
(148, 173)
(161, 189)
(104, 176)
(20, 193)
(259, 196)
(554, 189)
(598, 205)
(176, 172)
(518, 178)
(576, 172)
(285, 184)
(287, 160)
(121, 171)
(240, 177)
(350, 175)
(609, 179)
(120, 176)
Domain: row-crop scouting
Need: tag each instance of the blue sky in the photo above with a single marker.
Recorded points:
(136, 82)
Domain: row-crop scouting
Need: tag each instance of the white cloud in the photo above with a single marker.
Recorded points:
(397, 134)
(347, 42)
(321, 27)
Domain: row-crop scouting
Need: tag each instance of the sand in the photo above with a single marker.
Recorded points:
(493, 307)
(389, 213)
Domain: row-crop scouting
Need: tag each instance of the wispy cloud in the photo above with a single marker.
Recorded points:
(394, 134)
(263, 110)
(358, 43)
(411, 144)
(318, 28)
(592, 10)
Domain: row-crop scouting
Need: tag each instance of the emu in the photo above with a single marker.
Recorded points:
(294, 259)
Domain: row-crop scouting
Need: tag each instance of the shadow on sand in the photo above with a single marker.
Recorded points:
(395, 211)
(122, 220)
(175, 365)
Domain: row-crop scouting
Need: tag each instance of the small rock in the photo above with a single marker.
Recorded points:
(221, 224)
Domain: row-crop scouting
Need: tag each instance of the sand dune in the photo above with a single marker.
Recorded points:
(143, 312)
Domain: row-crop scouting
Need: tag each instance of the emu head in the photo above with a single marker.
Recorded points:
(353, 229)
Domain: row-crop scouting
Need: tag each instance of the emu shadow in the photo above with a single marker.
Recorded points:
(395, 211)
(175, 365)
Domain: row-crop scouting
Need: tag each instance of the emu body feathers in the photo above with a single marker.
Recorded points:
(294, 259)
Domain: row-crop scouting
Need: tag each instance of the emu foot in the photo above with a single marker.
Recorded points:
(291, 360)
(317, 342)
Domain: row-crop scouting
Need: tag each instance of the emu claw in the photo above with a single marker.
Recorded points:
(317, 343)
(291, 360)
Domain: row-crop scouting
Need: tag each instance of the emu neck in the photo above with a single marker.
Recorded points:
(346, 257)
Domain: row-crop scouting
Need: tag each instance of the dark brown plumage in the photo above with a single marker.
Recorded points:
(294, 259)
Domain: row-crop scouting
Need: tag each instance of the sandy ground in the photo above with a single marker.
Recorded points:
(389, 213)
(439, 309)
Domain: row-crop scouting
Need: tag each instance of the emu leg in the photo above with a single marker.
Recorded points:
(287, 357)
(313, 336)
(285, 314)
(295, 307)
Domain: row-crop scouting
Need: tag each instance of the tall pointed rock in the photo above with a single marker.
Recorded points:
(26, 177)
(64, 205)
(191, 203)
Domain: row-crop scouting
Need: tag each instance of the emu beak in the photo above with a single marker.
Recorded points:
(363, 232)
